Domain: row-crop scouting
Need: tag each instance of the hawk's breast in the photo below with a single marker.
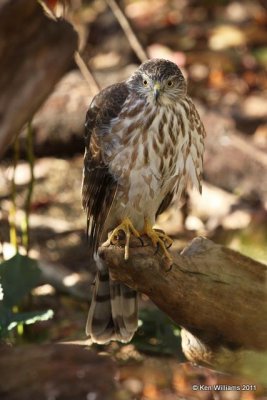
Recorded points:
(151, 149)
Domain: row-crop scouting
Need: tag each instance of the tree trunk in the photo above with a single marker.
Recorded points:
(35, 52)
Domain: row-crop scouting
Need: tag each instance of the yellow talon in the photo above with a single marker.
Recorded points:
(127, 227)
(158, 238)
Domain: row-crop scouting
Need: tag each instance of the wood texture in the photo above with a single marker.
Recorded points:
(35, 52)
(216, 294)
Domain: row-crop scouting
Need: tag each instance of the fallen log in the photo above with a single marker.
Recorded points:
(35, 52)
(217, 295)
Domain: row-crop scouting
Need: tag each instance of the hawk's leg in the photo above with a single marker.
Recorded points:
(158, 238)
(127, 227)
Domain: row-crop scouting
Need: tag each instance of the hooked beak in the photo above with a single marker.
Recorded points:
(156, 91)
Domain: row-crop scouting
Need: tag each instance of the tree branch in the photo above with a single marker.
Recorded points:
(128, 30)
(87, 74)
(218, 295)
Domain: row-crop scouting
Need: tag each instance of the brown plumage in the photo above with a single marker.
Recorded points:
(144, 143)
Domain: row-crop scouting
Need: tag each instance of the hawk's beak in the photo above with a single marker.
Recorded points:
(156, 91)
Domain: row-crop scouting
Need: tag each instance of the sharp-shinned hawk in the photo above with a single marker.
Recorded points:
(144, 143)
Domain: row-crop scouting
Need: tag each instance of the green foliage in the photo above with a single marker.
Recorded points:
(157, 334)
(18, 276)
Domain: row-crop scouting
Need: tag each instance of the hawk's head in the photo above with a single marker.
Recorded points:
(160, 81)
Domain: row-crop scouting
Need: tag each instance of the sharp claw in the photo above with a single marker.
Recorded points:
(159, 240)
(157, 249)
(112, 242)
(169, 269)
(141, 240)
(127, 245)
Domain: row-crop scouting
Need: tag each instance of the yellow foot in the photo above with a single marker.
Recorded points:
(159, 239)
(127, 227)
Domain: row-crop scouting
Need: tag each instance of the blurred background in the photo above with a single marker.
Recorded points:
(221, 47)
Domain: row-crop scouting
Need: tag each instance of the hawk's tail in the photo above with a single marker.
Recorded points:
(113, 313)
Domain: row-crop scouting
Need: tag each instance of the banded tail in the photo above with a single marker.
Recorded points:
(113, 313)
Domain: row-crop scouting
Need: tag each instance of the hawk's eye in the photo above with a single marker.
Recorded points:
(170, 83)
(145, 82)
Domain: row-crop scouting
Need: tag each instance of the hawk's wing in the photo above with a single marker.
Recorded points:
(99, 185)
(165, 203)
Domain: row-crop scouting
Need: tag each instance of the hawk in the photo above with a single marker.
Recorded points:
(144, 143)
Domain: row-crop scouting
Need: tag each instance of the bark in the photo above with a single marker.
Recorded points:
(35, 52)
(216, 294)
